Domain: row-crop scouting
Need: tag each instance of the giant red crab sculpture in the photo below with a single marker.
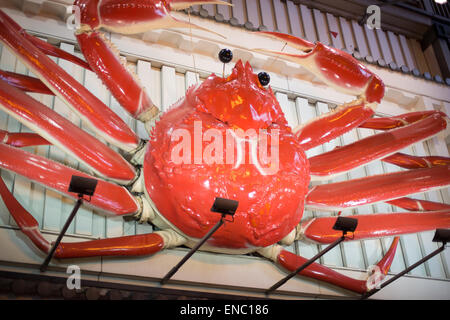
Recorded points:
(176, 197)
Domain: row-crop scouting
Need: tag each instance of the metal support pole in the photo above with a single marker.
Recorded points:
(192, 251)
(305, 265)
(61, 234)
(418, 263)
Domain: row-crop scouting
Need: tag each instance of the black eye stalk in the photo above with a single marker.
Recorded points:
(225, 55)
(264, 78)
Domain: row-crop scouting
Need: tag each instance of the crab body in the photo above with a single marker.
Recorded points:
(270, 205)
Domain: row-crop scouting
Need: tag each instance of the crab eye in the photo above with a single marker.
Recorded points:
(225, 55)
(264, 78)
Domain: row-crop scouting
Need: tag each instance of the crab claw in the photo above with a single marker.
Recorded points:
(137, 16)
(336, 68)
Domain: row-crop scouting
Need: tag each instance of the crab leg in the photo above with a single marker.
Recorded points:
(90, 109)
(333, 124)
(24, 83)
(64, 134)
(387, 123)
(50, 50)
(418, 205)
(414, 162)
(23, 139)
(383, 187)
(45, 46)
(352, 156)
(291, 262)
(121, 17)
(137, 245)
(376, 225)
(123, 85)
(109, 198)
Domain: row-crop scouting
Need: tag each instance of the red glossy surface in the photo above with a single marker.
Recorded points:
(23, 218)
(332, 125)
(414, 162)
(341, 68)
(64, 133)
(386, 262)
(270, 206)
(121, 246)
(88, 12)
(46, 47)
(109, 197)
(317, 271)
(377, 188)
(418, 205)
(102, 118)
(137, 245)
(114, 74)
(126, 15)
(239, 100)
(378, 225)
(398, 121)
(375, 147)
(375, 90)
(50, 50)
(22, 139)
(335, 67)
(120, 13)
(24, 83)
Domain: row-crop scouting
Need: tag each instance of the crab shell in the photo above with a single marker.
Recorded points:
(270, 205)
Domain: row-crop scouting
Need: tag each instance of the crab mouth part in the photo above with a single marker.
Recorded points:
(239, 100)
